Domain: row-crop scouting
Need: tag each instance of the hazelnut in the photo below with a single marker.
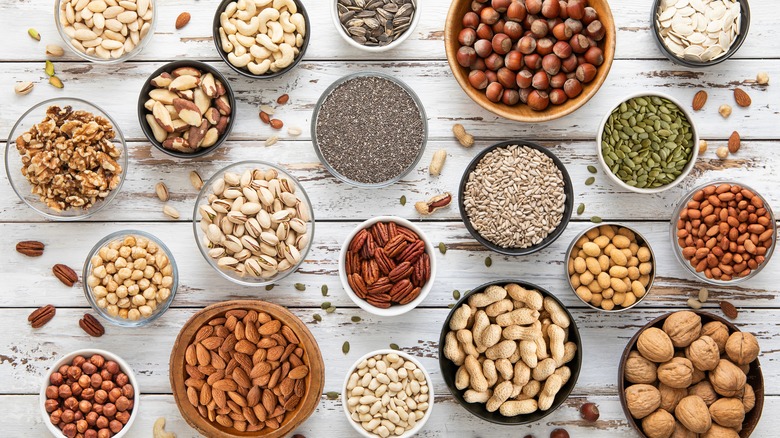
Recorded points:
(718, 332)
(115, 426)
(76, 389)
(479, 64)
(725, 110)
(728, 412)
(101, 422)
(586, 73)
(122, 417)
(82, 426)
(56, 379)
(717, 431)
(544, 46)
(85, 406)
(56, 417)
(128, 390)
(89, 368)
(499, 26)
(762, 78)
(501, 5)
(576, 9)
(526, 45)
(533, 61)
(654, 344)
(122, 404)
(742, 348)
(494, 92)
(91, 418)
(676, 373)
(63, 370)
(466, 56)
(52, 392)
(642, 399)
(65, 391)
(670, 397)
(562, 49)
(557, 81)
(703, 353)
(506, 78)
(513, 29)
(539, 28)
(494, 61)
(559, 433)
(538, 100)
(96, 381)
(68, 416)
(90, 433)
(579, 43)
(97, 408)
(51, 405)
(485, 32)
(101, 396)
(105, 375)
(637, 369)
(74, 372)
(114, 394)
(524, 79)
(69, 430)
(590, 15)
(491, 76)
(558, 97)
(659, 424)
(510, 97)
(467, 36)
(478, 80)
(489, 15)
(727, 379)
(683, 327)
(109, 410)
(551, 8)
(569, 65)
(594, 56)
(589, 412)
(84, 381)
(551, 64)
(71, 403)
(78, 361)
(524, 93)
(483, 48)
(516, 12)
(470, 20)
(692, 413)
(541, 80)
(104, 433)
(533, 6)
(121, 379)
(722, 152)
(502, 44)
(514, 60)
(596, 30)
(561, 32)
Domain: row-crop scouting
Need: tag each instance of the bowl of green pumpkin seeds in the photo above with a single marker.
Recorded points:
(648, 143)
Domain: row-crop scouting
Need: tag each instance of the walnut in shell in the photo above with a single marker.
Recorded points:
(670, 397)
(659, 424)
(681, 432)
(717, 431)
(655, 345)
(705, 391)
(676, 373)
(727, 379)
(697, 376)
(642, 400)
(718, 332)
(728, 412)
(703, 353)
(639, 370)
(692, 413)
(683, 328)
(748, 398)
(742, 348)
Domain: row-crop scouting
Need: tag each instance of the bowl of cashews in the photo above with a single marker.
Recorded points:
(261, 38)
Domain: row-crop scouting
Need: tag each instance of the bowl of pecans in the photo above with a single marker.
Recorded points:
(246, 368)
(66, 159)
(387, 266)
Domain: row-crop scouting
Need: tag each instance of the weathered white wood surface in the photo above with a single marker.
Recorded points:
(25, 354)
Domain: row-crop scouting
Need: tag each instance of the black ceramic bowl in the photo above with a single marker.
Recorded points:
(743, 31)
(243, 71)
(144, 96)
(448, 368)
(755, 377)
(567, 188)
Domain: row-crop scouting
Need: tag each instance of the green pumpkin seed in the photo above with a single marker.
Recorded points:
(596, 220)
(592, 169)
(580, 209)
(356, 319)
(488, 262)
(345, 347)
(442, 248)
(394, 347)
(332, 395)
(330, 309)
(324, 289)
(590, 181)
(456, 294)
(325, 305)
(403, 199)
(269, 287)
(317, 317)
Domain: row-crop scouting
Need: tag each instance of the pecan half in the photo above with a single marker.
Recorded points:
(404, 270)
(358, 241)
(41, 316)
(379, 231)
(385, 263)
(370, 271)
(66, 275)
(358, 285)
(395, 246)
(401, 289)
(413, 252)
(92, 326)
(30, 248)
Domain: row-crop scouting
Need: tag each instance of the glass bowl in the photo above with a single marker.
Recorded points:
(13, 161)
(59, 18)
(686, 170)
(204, 244)
(116, 320)
(330, 168)
(692, 269)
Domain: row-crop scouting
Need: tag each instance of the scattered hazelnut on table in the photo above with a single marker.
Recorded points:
(722, 152)
(702, 146)
(762, 78)
(725, 110)
(589, 412)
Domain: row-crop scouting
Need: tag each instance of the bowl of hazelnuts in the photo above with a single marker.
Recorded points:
(530, 60)
(90, 394)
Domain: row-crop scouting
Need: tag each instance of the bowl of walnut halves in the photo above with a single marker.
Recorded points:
(66, 158)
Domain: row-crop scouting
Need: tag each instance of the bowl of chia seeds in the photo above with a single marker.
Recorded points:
(369, 129)
(648, 143)
(516, 197)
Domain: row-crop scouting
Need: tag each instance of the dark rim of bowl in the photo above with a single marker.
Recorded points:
(244, 72)
(735, 45)
(144, 96)
(755, 376)
(448, 368)
(567, 188)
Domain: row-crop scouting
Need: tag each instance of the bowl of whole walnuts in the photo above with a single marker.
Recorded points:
(530, 60)
(89, 393)
(691, 373)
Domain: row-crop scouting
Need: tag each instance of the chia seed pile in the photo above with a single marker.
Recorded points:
(370, 130)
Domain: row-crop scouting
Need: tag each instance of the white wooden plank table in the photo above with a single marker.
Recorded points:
(25, 354)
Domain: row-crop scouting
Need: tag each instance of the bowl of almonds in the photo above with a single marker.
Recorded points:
(253, 223)
(246, 368)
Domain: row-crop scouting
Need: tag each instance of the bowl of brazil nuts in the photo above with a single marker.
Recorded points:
(80, 382)
(277, 372)
(723, 232)
(391, 373)
(261, 42)
(253, 223)
(130, 278)
(387, 266)
(610, 267)
(520, 332)
(106, 33)
(648, 143)
(186, 108)
(531, 214)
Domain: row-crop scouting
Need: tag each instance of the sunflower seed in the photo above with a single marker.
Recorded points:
(376, 22)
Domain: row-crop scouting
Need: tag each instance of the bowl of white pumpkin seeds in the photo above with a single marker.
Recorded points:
(648, 143)
(375, 25)
(516, 197)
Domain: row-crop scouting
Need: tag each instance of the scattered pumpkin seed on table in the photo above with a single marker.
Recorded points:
(356, 319)
(590, 181)
(269, 287)
(332, 395)
(317, 317)
(325, 305)
(580, 209)
(596, 220)
(488, 261)
(456, 294)
(345, 347)
(442, 248)
(324, 289)
(300, 286)
(592, 169)
(394, 346)
(403, 200)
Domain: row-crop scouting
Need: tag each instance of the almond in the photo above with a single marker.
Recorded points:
(284, 98)
(729, 310)
(734, 142)
(212, 343)
(182, 20)
(299, 372)
(742, 98)
(699, 100)
(226, 385)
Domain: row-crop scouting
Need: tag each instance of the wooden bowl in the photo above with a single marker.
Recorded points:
(754, 377)
(315, 380)
(521, 112)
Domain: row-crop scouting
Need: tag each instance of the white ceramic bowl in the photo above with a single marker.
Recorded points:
(124, 367)
(395, 309)
(686, 170)
(376, 49)
(420, 423)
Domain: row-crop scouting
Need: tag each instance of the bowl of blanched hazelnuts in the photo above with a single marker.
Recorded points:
(530, 60)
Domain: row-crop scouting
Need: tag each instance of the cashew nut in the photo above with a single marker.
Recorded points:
(158, 430)
(289, 38)
(259, 69)
(225, 24)
(248, 10)
(246, 41)
(289, 4)
(265, 16)
(239, 61)
(287, 25)
(227, 46)
(300, 23)
(275, 32)
(260, 52)
(248, 28)
(266, 42)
